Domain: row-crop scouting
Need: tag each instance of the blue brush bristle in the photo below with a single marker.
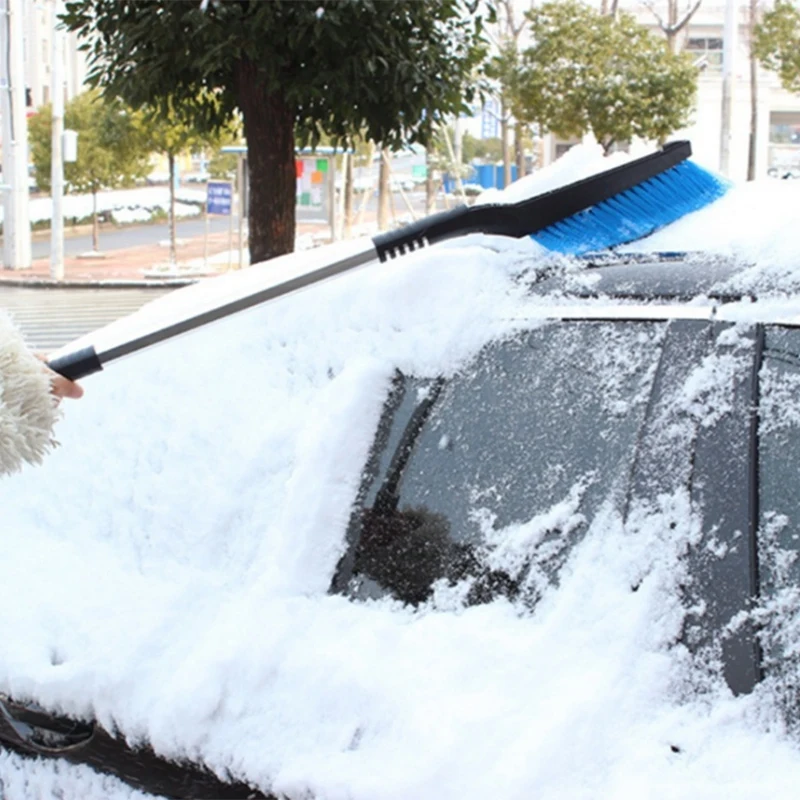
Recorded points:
(636, 212)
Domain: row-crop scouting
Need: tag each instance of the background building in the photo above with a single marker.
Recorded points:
(778, 127)
(39, 18)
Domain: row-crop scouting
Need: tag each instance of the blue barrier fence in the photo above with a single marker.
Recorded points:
(487, 176)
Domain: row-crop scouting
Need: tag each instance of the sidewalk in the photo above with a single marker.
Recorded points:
(145, 265)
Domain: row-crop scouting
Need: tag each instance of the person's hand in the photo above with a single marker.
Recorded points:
(63, 387)
(60, 386)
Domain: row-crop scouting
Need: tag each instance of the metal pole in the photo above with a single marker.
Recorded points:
(16, 219)
(728, 56)
(205, 240)
(333, 218)
(230, 233)
(5, 115)
(240, 200)
(57, 162)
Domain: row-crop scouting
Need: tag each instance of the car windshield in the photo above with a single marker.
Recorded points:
(526, 442)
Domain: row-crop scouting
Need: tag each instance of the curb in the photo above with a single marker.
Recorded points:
(47, 283)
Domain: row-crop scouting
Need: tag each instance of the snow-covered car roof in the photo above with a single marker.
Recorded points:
(167, 571)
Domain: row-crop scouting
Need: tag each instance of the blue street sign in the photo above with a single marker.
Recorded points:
(218, 199)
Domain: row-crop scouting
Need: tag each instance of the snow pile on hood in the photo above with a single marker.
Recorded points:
(166, 571)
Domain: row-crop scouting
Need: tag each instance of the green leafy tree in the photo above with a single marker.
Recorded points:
(222, 166)
(388, 68)
(776, 43)
(503, 72)
(488, 150)
(111, 152)
(170, 133)
(443, 158)
(590, 72)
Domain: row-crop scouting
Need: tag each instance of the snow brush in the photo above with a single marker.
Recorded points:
(610, 208)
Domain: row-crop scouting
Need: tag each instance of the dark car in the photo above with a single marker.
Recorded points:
(631, 388)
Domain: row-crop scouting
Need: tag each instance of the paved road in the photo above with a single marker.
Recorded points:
(133, 236)
(49, 318)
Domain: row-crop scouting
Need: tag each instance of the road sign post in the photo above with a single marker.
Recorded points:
(219, 197)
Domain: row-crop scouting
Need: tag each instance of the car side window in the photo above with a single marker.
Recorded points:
(778, 609)
(511, 456)
(779, 478)
(779, 472)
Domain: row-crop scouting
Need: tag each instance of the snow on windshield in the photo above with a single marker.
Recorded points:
(166, 570)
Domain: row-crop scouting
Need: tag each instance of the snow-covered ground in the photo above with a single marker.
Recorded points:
(124, 205)
(166, 570)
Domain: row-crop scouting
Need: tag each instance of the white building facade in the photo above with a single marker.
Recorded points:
(39, 18)
(778, 111)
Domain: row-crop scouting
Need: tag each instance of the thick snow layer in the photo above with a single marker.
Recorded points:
(166, 570)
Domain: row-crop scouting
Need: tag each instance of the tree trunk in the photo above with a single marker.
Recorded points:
(95, 222)
(269, 131)
(348, 194)
(504, 141)
(672, 21)
(430, 186)
(173, 255)
(519, 149)
(383, 191)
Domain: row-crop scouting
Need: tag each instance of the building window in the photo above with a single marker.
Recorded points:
(784, 144)
(784, 127)
(562, 147)
(707, 53)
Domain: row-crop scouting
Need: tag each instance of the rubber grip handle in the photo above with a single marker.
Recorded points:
(77, 365)
(428, 230)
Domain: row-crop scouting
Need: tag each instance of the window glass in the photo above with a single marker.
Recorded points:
(706, 50)
(510, 457)
(779, 514)
(779, 472)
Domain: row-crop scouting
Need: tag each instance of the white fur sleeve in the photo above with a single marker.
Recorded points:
(28, 412)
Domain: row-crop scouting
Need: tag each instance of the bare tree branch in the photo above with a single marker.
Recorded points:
(673, 25)
(651, 7)
(681, 24)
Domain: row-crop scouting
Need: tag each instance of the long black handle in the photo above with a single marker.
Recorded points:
(77, 365)
(513, 219)
(87, 360)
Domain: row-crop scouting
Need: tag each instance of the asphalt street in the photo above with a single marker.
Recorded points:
(132, 236)
(112, 238)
